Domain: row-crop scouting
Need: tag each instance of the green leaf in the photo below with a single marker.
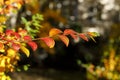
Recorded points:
(24, 20)
(18, 69)
(93, 34)
(26, 67)
(92, 39)
(36, 25)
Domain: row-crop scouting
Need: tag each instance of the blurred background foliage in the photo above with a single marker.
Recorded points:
(94, 61)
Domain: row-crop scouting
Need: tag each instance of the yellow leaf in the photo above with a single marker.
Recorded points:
(8, 78)
(1, 29)
(2, 63)
(3, 77)
(1, 2)
(18, 5)
(54, 31)
(25, 50)
(8, 60)
(2, 19)
(7, 2)
(11, 52)
(93, 34)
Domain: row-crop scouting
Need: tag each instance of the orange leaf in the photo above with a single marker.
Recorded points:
(54, 31)
(33, 45)
(1, 47)
(69, 32)
(64, 39)
(72, 33)
(48, 41)
(22, 32)
(83, 36)
(75, 37)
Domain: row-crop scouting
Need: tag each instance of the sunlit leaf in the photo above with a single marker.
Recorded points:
(64, 39)
(7, 2)
(20, 1)
(18, 6)
(1, 1)
(11, 52)
(8, 60)
(48, 41)
(54, 31)
(2, 63)
(2, 19)
(33, 45)
(93, 34)
(83, 36)
(25, 50)
(22, 32)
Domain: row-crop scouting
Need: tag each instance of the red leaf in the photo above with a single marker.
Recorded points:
(16, 35)
(27, 38)
(33, 45)
(64, 39)
(83, 36)
(75, 37)
(69, 32)
(54, 31)
(16, 46)
(48, 41)
(9, 32)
